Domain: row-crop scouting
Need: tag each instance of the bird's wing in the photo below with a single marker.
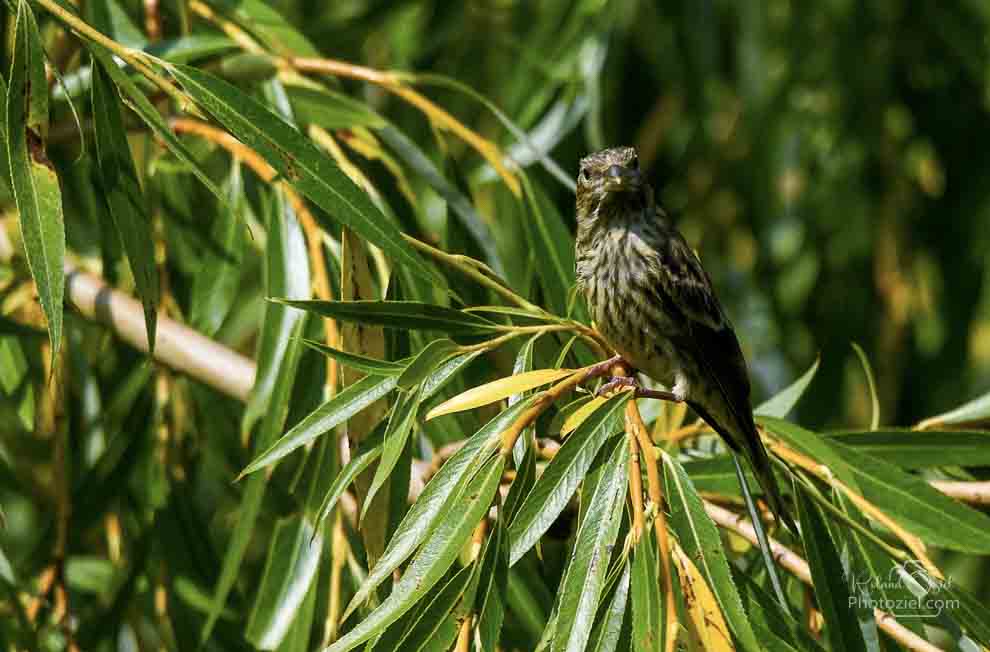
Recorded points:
(686, 290)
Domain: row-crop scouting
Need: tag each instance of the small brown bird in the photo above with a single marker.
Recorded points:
(654, 303)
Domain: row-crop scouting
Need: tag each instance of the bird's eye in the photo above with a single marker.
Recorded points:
(583, 176)
(634, 163)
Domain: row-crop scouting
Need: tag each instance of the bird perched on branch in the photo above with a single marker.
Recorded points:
(655, 305)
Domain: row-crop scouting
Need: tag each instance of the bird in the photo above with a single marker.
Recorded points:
(654, 304)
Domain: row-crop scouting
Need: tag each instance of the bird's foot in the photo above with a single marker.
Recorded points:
(619, 382)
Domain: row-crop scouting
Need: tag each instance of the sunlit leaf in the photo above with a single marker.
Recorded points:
(560, 479)
(437, 554)
(498, 390)
(781, 404)
(291, 565)
(584, 579)
(705, 624)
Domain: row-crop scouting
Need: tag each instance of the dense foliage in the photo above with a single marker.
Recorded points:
(367, 416)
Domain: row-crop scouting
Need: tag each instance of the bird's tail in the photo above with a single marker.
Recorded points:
(751, 446)
(763, 470)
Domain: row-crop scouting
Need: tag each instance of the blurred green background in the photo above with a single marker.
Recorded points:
(827, 159)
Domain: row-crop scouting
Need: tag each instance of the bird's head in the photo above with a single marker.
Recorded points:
(610, 183)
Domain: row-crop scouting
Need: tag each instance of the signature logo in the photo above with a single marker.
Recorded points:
(907, 591)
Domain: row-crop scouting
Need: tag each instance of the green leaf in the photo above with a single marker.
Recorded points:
(436, 556)
(922, 510)
(871, 385)
(700, 540)
(214, 288)
(563, 474)
(781, 404)
(972, 412)
(584, 580)
(254, 489)
(418, 626)
(334, 412)
(122, 193)
(547, 235)
(647, 600)
(831, 589)
(436, 501)
(446, 372)
(400, 425)
(359, 362)
(32, 176)
(302, 164)
(271, 27)
(609, 629)
(492, 593)
(813, 445)
(918, 449)
(139, 103)
(406, 315)
(287, 273)
(292, 562)
(426, 362)
(370, 450)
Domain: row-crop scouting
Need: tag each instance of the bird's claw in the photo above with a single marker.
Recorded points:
(618, 382)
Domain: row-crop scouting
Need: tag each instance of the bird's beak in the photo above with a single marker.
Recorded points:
(619, 178)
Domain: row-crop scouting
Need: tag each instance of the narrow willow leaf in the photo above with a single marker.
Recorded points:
(975, 411)
(922, 510)
(831, 589)
(700, 539)
(776, 629)
(522, 364)
(578, 416)
(819, 448)
(446, 372)
(371, 450)
(871, 385)
(436, 501)
(122, 193)
(287, 274)
(647, 601)
(606, 638)
(414, 630)
(32, 176)
(298, 160)
(497, 390)
(706, 625)
(918, 449)
(214, 287)
(561, 477)
(492, 592)
(358, 362)
(425, 362)
(139, 103)
(436, 556)
(400, 425)
(407, 315)
(548, 235)
(584, 580)
(337, 410)
(292, 562)
(254, 488)
(781, 404)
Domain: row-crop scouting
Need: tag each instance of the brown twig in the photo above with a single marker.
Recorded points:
(977, 493)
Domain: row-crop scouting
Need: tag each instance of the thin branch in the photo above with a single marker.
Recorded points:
(176, 345)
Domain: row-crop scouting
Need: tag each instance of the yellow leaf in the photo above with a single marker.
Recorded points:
(497, 390)
(572, 422)
(706, 624)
